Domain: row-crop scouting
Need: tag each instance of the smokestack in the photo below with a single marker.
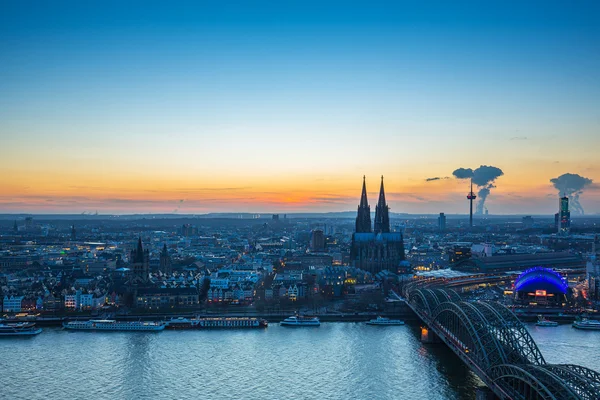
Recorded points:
(471, 196)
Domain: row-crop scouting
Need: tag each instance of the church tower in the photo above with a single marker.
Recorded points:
(382, 216)
(140, 264)
(363, 218)
(165, 261)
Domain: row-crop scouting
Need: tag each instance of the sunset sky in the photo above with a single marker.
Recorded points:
(284, 106)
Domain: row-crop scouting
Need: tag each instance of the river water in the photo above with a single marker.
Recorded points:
(334, 361)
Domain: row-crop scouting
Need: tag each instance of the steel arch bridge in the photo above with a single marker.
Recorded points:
(492, 341)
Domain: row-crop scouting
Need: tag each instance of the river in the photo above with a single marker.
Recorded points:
(334, 361)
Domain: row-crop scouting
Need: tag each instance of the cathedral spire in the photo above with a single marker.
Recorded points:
(382, 217)
(363, 197)
(137, 256)
(381, 201)
(363, 217)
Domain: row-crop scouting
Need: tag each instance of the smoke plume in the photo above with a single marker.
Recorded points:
(483, 177)
(463, 173)
(572, 185)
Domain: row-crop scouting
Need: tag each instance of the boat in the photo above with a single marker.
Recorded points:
(587, 324)
(19, 329)
(230, 323)
(181, 323)
(545, 322)
(300, 321)
(385, 321)
(113, 325)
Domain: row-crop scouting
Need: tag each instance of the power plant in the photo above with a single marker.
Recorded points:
(471, 196)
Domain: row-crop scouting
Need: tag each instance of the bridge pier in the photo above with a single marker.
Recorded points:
(428, 336)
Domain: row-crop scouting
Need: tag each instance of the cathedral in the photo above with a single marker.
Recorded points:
(375, 249)
(140, 265)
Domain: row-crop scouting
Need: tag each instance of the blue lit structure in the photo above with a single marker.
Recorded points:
(541, 279)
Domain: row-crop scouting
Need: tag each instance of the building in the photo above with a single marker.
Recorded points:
(12, 304)
(562, 219)
(378, 249)
(541, 286)
(527, 222)
(317, 241)
(442, 222)
(459, 253)
(165, 261)
(163, 298)
(520, 262)
(188, 230)
(140, 265)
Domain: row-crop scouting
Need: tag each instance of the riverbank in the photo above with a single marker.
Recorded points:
(271, 317)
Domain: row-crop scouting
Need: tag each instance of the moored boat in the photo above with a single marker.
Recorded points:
(587, 324)
(300, 321)
(181, 323)
(542, 321)
(385, 322)
(230, 323)
(113, 325)
(19, 329)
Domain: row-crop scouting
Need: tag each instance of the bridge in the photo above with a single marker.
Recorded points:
(497, 347)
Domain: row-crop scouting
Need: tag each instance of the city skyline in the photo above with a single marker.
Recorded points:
(262, 108)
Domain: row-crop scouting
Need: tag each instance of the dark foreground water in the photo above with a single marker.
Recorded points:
(334, 361)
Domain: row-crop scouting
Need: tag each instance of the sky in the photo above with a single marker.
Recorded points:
(197, 107)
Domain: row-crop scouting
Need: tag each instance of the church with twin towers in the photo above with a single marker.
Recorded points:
(375, 247)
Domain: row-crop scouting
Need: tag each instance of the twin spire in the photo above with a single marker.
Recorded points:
(363, 219)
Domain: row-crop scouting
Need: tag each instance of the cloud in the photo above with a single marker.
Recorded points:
(436, 178)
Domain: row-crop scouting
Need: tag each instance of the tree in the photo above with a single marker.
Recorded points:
(204, 288)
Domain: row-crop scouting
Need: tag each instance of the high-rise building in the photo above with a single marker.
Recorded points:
(563, 216)
(165, 261)
(380, 249)
(442, 222)
(317, 241)
(73, 232)
(140, 264)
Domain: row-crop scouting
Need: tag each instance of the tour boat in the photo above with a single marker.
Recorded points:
(112, 325)
(231, 323)
(385, 321)
(19, 329)
(181, 323)
(300, 321)
(545, 322)
(587, 324)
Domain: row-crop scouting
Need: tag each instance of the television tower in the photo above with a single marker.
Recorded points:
(471, 196)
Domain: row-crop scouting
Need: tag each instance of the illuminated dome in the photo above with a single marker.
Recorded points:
(541, 279)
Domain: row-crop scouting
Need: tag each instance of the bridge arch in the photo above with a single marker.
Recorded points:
(531, 382)
(424, 300)
(583, 381)
(520, 348)
(465, 329)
